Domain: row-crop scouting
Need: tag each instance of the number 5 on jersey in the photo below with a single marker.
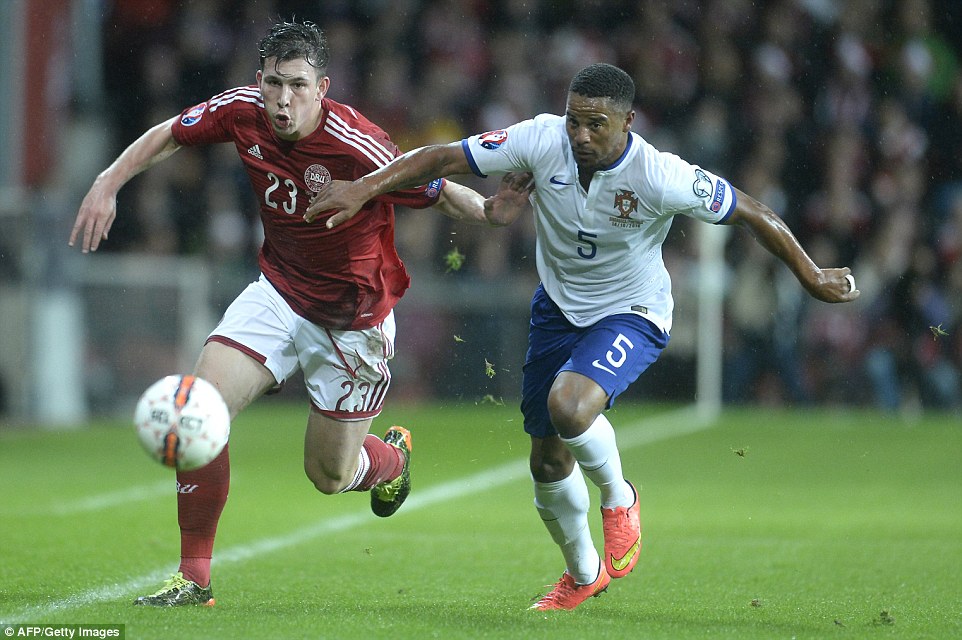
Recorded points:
(590, 249)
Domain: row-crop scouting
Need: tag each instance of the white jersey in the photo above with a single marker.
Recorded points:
(599, 252)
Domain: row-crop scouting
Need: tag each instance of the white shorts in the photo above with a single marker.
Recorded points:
(345, 372)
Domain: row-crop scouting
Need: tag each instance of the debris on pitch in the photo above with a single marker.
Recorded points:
(488, 368)
(454, 260)
(884, 618)
(938, 332)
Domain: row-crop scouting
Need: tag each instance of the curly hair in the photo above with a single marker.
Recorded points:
(602, 80)
(294, 41)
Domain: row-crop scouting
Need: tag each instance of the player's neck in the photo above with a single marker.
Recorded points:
(585, 176)
(314, 122)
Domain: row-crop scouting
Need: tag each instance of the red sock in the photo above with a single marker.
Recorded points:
(201, 495)
(387, 462)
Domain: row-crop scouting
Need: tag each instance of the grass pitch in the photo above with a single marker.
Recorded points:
(767, 524)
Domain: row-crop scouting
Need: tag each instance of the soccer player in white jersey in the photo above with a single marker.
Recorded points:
(324, 301)
(603, 203)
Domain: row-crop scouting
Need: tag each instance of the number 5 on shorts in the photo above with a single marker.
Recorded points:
(622, 354)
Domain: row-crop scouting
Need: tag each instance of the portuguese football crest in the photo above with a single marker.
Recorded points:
(626, 203)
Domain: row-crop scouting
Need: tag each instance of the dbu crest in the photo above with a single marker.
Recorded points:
(316, 177)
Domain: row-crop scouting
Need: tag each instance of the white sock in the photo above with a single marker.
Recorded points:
(563, 507)
(597, 454)
(363, 465)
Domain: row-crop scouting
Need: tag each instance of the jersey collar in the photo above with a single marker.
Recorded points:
(621, 158)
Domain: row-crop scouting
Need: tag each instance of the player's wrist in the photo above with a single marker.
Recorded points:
(368, 187)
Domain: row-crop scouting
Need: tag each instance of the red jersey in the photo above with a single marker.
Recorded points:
(349, 277)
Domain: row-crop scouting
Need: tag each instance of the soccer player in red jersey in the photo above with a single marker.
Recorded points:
(324, 301)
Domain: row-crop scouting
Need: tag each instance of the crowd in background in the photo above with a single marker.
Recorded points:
(844, 116)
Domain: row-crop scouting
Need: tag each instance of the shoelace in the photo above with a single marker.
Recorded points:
(387, 490)
(176, 581)
(621, 526)
(556, 592)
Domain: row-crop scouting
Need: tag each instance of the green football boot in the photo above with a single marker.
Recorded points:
(387, 497)
(178, 592)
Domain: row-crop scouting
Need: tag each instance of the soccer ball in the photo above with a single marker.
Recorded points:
(182, 422)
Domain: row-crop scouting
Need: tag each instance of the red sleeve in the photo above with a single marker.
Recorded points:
(418, 197)
(212, 121)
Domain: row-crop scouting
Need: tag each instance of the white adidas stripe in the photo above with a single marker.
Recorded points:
(244, 94)
(225, 96)
(257, 101)
(361, 141)
(658, 428)
(365, 138)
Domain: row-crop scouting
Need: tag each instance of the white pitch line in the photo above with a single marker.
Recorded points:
(97, 502)
(114, 498)
(648, 431)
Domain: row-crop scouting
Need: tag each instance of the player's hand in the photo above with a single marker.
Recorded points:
(97, 214)
(511, 200)
(339, 197)
(834, 285)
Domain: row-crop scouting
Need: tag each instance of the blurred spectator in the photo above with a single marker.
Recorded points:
(845, 117)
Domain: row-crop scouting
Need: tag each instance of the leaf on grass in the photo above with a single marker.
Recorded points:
(454, 260)
(741, 453)
(756, 603)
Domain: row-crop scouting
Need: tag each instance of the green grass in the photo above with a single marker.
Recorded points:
(770, 524)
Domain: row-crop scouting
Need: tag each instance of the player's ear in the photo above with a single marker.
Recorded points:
(322, 88)
(258, 76)
(629, 120)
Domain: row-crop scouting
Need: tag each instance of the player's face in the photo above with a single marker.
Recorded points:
(598, 131)
(292, 96)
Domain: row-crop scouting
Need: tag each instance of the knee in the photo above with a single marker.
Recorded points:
(324, 482)
(551, 461)
(571, 413)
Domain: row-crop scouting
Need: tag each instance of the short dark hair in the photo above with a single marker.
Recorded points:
(294, 41)
(601, 80)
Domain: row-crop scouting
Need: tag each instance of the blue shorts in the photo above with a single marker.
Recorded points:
(613, 352)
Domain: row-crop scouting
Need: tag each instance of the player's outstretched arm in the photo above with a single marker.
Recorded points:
(504, 207)
(461, 203)
(827, 285)
(99, 207)
(421, 166)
